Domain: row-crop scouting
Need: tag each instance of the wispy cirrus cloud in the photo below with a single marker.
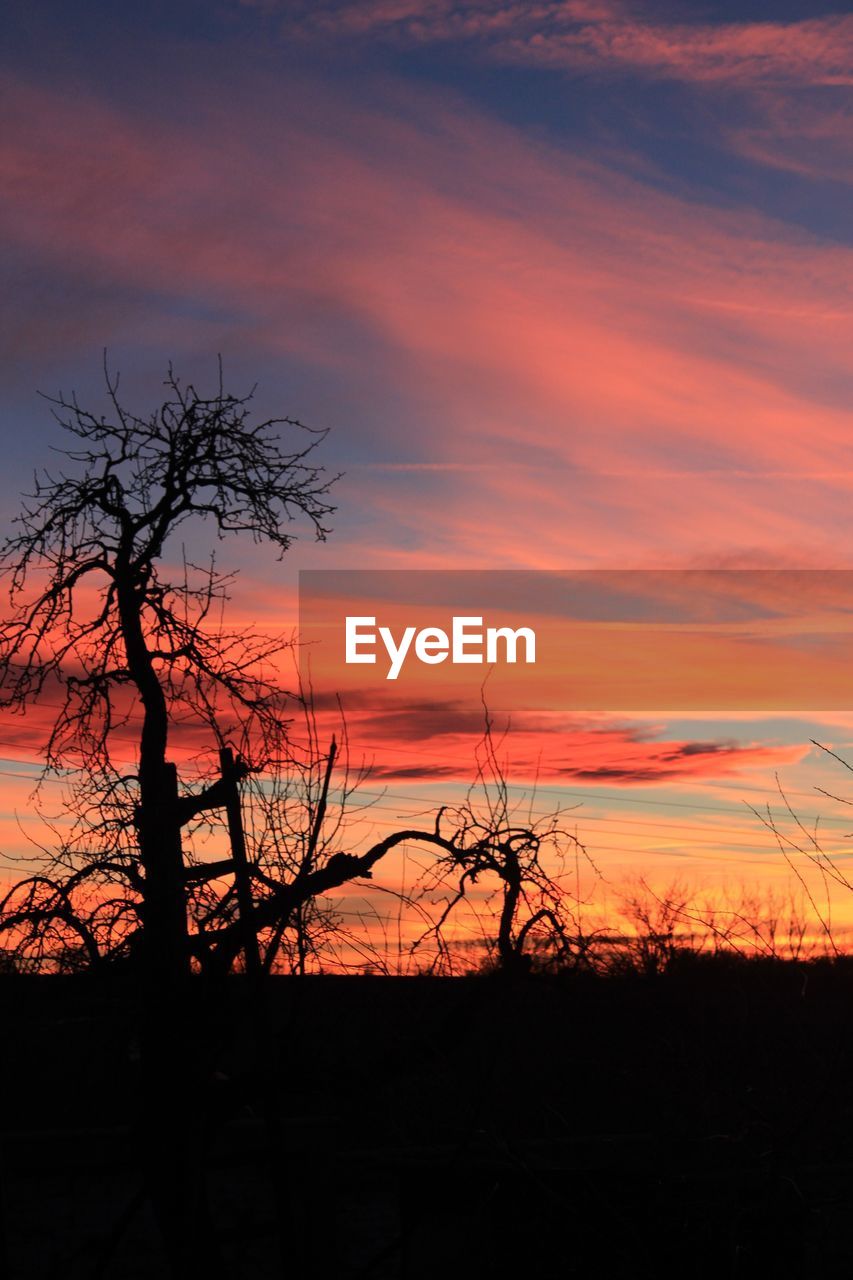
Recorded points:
(598, 35)
(500, 288)
(788, 80)
(806, 134)
(815, 51)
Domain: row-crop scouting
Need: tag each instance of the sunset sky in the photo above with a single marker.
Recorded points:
(567, 281)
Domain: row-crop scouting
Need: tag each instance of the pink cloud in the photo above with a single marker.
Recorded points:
(816, 51)
(798, 133)
(605, 36)
(555, 329)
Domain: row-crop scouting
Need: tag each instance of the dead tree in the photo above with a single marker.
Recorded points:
(518, 859)
(111, 623)
(99, 616)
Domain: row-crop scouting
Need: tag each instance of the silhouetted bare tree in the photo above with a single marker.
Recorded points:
(100, 615)
(97, 616)
(518, 858)
(111, 622)
(659, 925)
(817, 870)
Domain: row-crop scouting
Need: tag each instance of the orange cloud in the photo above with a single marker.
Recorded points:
(436, 742)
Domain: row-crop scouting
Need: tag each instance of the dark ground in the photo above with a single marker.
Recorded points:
(696, 1124)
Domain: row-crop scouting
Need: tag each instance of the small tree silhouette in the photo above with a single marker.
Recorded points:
(518, 859)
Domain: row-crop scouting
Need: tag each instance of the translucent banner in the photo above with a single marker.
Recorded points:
(586, 640)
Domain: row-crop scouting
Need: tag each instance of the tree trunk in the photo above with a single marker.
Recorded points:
(166, 942)
(511, 875)
(171, 1131)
